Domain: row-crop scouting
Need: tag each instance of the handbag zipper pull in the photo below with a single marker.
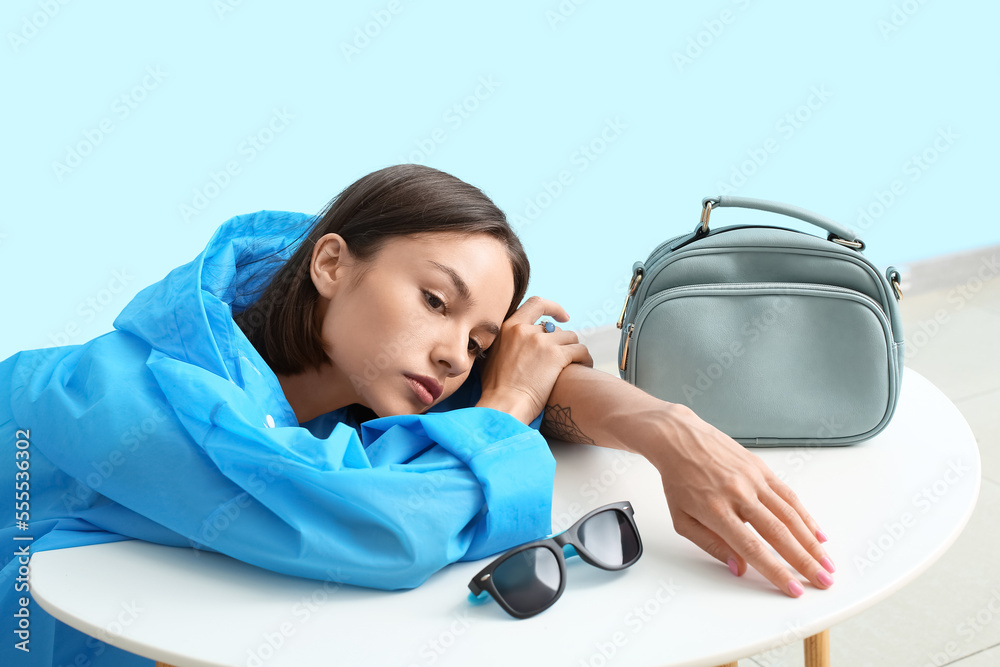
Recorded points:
(892, 273)
(632, 287)
(628, 337)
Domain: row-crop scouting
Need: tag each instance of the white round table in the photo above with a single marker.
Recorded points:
(891, 506)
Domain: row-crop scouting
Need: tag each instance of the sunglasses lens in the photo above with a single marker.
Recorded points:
(529, 580)
(610, 538)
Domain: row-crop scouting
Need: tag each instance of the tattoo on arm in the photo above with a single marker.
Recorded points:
(558, 424)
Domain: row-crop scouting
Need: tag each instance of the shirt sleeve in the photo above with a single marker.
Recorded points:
(176, 446)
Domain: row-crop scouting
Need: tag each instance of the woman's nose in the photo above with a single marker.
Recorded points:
(453, 352)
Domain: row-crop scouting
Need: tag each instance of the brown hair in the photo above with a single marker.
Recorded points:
(396, 201)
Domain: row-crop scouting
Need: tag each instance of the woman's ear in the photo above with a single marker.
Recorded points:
(330, 264)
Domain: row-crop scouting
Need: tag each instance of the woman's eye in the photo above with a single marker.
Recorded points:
(476, 349)
(433, 300)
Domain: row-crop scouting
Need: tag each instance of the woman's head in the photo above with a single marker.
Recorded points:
(386, 234)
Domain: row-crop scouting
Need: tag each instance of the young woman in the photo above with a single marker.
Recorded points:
(355, 397)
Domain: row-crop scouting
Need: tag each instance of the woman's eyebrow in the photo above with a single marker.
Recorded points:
(463, 291)
(460, 285)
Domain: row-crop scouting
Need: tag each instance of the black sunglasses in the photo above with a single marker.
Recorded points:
(529, 579)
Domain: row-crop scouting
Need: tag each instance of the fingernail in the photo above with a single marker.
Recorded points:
(827, 564)
(795, 588)
(821, 536)
(824, 578)
(733, 567)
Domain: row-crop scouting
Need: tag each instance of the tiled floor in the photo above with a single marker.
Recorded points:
(950, 615)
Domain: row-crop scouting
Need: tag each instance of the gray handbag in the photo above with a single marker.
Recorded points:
(772, 335)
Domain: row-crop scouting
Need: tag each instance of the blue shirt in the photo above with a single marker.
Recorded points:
(171, 428)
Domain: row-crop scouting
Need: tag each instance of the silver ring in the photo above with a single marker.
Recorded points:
(547, 326)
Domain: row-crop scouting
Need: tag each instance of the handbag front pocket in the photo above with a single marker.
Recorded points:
(768, 363)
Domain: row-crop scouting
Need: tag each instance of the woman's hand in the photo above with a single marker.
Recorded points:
(524, 361)
(715, 487)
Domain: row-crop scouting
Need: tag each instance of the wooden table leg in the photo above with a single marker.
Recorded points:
(817, 649)
(163, 664)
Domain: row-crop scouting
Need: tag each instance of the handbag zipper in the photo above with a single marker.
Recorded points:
(657, 298)
(667, 247)
(653, 256)
(863, 265)
(648, 304)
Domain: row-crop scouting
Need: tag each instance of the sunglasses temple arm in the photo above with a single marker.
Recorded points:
(482, 598)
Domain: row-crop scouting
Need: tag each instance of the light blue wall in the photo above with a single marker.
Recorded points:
(823, 105)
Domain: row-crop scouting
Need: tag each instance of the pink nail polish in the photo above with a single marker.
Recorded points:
(827, 564)
(821, 536)
(733, 567)
(824, 578)
(795, 588)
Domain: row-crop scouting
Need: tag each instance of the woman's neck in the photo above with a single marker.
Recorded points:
(313, 392)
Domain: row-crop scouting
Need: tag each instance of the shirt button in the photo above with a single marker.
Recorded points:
(269, 420)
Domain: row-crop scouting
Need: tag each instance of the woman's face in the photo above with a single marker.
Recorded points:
(406, 335)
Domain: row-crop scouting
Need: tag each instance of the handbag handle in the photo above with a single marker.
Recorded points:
(838, 233)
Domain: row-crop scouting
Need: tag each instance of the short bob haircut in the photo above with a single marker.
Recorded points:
(391, 202)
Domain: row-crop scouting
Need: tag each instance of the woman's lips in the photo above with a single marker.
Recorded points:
(426, 389)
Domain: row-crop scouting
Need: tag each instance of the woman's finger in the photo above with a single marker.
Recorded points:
(569, 343)
(774, 531)
(560, 336)
(535, 307)
(579, 354)
(812, 559)
(792, 498)
(710, 543)
(748, 545)
(785, 503)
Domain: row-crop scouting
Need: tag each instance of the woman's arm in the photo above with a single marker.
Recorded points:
(713, 485)
(138, 443)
